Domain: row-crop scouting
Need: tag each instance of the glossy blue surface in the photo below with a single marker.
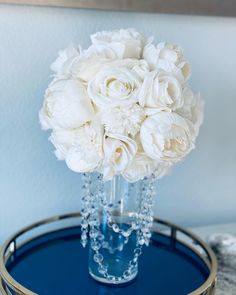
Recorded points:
(56, 264)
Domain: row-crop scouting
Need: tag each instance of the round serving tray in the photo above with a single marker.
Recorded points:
(46, 258)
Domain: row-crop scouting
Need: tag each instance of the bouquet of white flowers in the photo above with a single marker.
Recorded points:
(121, 107)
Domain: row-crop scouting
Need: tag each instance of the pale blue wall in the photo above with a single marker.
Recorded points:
(33, 184)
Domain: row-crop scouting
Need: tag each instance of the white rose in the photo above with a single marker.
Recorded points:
(118, 44)
(143, 166)
(114, 87)
(66, 105)
(169, 58)
(63, 140)
(86, 154)
(119, 152)
(88, 64)
(62, 65)
(161, 91)
(123, 120)
(192, 108)
(167, 137)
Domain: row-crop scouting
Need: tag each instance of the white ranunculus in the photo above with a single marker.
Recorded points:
(123, 120)
(167, 57)
(118, 44)
(86, 154)
(167, 137)
(119, 152)
(66, 105)
(114, 87)
(62, 65)
(161, 91)
(192, 108)
(63, 140)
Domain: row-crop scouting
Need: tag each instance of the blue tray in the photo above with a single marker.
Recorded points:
(56, 264)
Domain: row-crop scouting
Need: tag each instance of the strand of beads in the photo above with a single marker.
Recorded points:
(132, 267)
(141, 226)
(86, 179)
(146, 210)
(94, 200)
(90, 203)
(115, 226)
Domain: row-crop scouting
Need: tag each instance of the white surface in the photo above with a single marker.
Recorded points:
(205, 231)
(224, 246)
(34, 185)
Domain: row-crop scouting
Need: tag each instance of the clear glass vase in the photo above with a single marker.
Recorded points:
(119, 218)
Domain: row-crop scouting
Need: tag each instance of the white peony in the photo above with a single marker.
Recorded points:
(86, 154)
(63, 140)
(73, 63)
(66, 105)
(114, 87)
(192, 108)
(143, 166)
(167, 137)
(62, 65)
(87, 66)
(167, 57)
(123, 120)
(118, 44)
(119, 152)
(160, 91)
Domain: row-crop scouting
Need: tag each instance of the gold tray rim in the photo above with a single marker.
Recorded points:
(6, 280)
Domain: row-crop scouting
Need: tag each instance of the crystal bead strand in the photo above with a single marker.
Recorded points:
(93, 199)
(114, 226)
(97, 238)
(86, 180)
(146, 210)
(103, 269)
